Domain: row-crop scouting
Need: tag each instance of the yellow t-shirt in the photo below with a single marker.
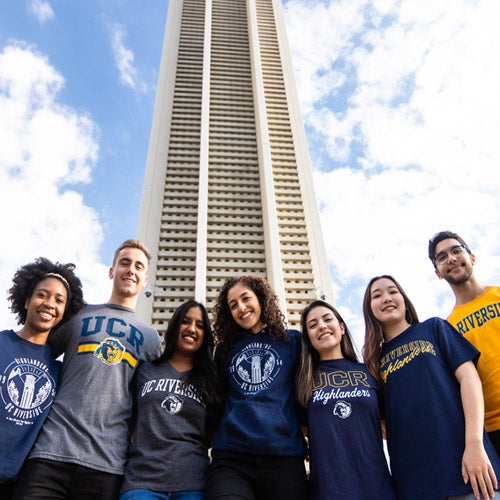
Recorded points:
(479, 322)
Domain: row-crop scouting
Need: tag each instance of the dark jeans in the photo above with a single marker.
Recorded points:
(256, 477)
(51, 480)
(495, 441)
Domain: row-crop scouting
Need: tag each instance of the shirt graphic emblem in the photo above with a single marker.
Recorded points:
(173, 404)
(342, 409)
(26, 389)
(110, 351)
(255, 368)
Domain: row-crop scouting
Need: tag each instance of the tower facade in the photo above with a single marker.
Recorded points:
(228, 187)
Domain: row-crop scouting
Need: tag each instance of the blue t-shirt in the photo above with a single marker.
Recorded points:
(423, 410)
(345, 438)
(28, 379)
(260, 414)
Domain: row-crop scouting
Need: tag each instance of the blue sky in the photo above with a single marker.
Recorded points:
(401, 108)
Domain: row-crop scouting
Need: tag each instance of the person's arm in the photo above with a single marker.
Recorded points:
(476, 466)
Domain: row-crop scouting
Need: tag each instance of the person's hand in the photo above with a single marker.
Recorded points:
(477, 469)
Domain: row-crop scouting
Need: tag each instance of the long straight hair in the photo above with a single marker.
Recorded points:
(203, 375)
(374, 333)
(309, 359)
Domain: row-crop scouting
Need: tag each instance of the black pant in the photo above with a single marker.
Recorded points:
(6, 490)
(256, 477)
(495, 440)
(51, 480)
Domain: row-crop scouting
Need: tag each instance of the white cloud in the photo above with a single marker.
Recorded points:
(409, 137)
(41, 10)
(46, 148)
(124, 60)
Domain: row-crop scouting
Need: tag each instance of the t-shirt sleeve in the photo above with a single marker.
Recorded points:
(455, 348)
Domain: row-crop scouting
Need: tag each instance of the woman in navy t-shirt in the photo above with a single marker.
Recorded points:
(342, 401)
(258, 449)
(433, 400)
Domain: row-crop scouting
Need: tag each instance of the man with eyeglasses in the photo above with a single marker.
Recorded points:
(476, 315)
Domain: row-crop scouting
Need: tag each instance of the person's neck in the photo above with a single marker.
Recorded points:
(33, 336)
(181, 362)
(392, 330)
(129, 302)
(465, 292)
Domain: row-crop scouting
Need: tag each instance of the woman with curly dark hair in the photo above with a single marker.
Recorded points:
(258, 450)
(43, 296)
(176, 397)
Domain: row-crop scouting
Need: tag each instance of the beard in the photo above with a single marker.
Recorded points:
(461, 279)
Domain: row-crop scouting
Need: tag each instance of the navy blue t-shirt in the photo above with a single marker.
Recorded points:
(345, 438)
(28, 379)
(260, 414)
(423, 410)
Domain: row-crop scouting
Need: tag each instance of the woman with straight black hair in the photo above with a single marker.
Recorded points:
(176, 397)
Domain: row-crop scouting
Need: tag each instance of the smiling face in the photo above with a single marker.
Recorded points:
(387, 304)
(245, 307)
(453, 262)
(45, 308)
(325, 332)
(129, 275)
(191, 332)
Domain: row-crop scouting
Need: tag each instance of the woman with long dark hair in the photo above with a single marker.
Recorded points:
(433, 399)
(176, 397)
(258, 450)
(342, 402)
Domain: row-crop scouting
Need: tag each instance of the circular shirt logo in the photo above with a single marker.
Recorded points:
(110, 351)
(342, 409)
(255, 368)
(27, 389)
(173, 404)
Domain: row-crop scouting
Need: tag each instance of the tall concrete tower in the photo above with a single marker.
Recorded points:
(228, 186)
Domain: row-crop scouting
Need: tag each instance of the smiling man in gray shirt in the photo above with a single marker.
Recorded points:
(81, 449)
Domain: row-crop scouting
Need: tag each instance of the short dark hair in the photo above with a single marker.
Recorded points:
(444, 235)
(131, 243)
(28, 276)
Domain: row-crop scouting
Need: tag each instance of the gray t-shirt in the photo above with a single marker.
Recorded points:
(88, 423)
(169, 448)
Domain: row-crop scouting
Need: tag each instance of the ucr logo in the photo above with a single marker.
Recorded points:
(110, 351)
(342, 409)
(172, 403)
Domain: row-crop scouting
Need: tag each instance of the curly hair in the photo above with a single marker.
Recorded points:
(28, 276)
(225, 326)
(374, 334)
(204, 373)
(310, 358)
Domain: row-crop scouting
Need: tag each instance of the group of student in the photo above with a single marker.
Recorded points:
(131, 422)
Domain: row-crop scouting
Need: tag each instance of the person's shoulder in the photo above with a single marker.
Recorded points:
(293, 334)
(7, 336)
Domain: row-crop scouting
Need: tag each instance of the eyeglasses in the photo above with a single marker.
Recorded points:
(455, 251)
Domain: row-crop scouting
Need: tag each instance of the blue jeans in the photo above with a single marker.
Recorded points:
(155, 495)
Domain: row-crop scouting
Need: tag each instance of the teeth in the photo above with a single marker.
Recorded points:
(46, 315)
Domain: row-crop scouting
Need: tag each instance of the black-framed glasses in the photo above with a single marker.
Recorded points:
(455, 251)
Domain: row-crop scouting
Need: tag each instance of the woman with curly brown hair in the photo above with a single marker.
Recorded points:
(43, 296)
(258, 450)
